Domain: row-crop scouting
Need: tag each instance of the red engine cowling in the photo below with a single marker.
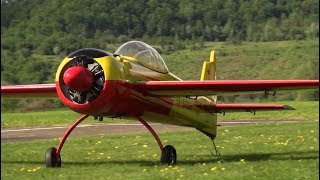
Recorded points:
(81, 84)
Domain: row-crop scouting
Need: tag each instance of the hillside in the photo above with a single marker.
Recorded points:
(34, 31)
(78, 22)
(248, 60)
(254, 39)
(251, 60)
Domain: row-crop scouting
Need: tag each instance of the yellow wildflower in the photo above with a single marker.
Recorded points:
(213, 169)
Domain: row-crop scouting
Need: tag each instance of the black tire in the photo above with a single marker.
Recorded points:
(52, 160)
(168, 155)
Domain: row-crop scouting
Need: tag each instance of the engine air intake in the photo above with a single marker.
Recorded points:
(82, 79)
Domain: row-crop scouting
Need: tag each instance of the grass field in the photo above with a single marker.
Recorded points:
(304, 111)
(61, 116)
(269, 151)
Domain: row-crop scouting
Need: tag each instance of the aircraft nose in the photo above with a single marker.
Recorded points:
(78, 78)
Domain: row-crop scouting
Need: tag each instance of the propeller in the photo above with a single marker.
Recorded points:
(84, 79)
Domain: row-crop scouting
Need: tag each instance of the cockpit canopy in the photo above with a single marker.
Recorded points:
(144, 54)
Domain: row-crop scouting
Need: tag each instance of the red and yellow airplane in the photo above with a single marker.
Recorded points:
(135, 82)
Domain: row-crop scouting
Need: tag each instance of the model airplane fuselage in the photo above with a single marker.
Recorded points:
(135, 82)
(118, 97)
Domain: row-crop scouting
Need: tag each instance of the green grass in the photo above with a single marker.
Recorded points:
(304, 111)
(269, 151)
(45, 118)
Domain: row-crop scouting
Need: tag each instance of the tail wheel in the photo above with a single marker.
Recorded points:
(99, 79)
(168, 155)
(52, 158)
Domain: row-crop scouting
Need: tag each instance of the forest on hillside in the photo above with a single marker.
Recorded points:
(58, 26)
(37, 34)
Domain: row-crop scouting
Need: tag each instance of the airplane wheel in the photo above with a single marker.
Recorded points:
(168, 155)
(52, 159)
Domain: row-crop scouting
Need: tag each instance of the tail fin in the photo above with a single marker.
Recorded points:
(209, 73)
(209, 68)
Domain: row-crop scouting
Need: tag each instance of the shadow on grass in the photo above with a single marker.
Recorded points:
(195, 160)
(265, 156)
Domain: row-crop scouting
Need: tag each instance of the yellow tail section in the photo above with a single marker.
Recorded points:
(209, 73)
(209, 68)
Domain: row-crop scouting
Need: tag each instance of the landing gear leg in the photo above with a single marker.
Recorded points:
(168, 153)
(215, 148)
(52, 156)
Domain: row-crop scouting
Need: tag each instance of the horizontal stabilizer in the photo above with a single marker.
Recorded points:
(221, 108)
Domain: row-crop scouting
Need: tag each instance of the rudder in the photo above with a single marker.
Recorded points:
(209, 68)
(209, 73)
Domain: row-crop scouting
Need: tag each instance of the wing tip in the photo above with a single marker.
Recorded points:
(287, 107)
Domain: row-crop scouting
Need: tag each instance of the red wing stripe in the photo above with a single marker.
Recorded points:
(228, 85)
(185, 88)
(32, 90)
